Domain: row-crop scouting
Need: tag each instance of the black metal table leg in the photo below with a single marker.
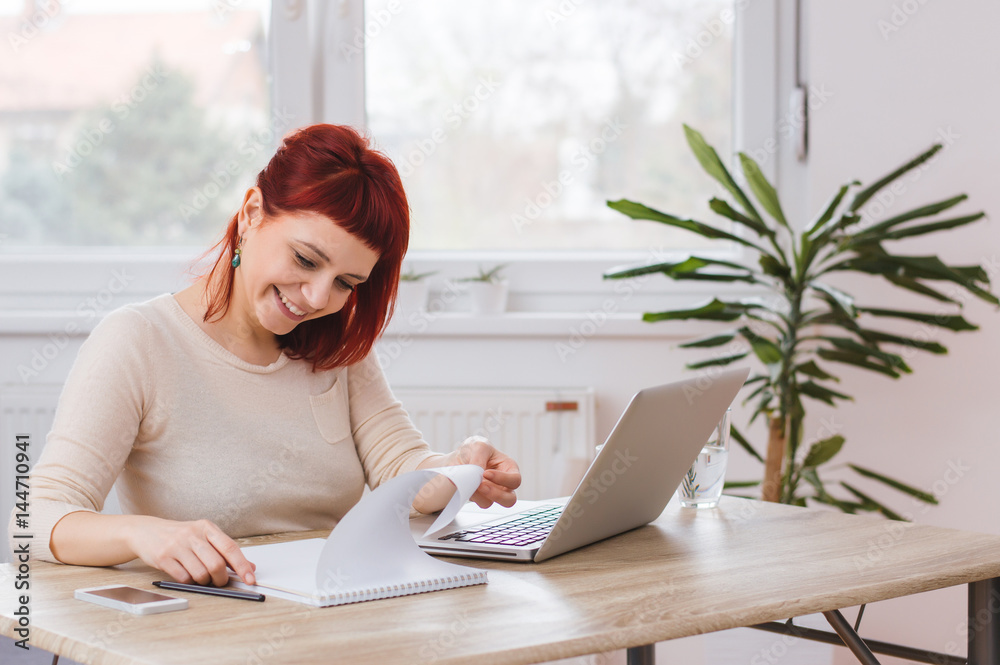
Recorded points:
(851, 639)
(644, 655)
(984, 622)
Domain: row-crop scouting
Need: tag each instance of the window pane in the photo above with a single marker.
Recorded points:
(513, 122)
(125, 122)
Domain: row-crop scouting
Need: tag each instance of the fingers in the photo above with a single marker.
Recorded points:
(501, 475)
(503, 478)
(491, 493)
(233, 557)
(196, 552)
(476, 450)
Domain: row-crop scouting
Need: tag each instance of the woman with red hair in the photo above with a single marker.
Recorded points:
(249, 402)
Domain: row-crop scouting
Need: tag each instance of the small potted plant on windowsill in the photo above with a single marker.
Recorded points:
(488, 290)
(413, 289)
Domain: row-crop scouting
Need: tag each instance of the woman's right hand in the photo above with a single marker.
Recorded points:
(197, 551)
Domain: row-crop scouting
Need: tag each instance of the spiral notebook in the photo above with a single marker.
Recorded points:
(371, 554)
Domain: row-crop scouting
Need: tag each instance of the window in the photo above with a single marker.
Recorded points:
(128, 129)
(130, 123)
(513, 122)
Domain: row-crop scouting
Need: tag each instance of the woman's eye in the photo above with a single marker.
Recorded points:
(344, 284)
(303, 261)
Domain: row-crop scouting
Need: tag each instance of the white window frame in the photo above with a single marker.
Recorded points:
(45, 290)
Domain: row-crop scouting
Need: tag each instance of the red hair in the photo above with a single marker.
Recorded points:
(331, 170)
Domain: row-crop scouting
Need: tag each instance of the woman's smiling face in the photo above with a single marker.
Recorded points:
(296, 266)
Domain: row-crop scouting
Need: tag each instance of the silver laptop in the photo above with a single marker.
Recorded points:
(628, 484)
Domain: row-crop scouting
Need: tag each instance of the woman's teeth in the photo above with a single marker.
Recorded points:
(291, 308)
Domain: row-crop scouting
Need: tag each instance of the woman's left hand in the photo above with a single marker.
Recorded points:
(501, 475)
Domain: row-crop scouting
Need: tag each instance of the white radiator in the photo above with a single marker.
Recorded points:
(548, 431)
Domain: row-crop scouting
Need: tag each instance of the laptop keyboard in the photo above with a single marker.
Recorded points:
(524, 528)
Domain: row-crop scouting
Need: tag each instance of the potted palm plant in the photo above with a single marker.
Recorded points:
(488, 290)
(804, 326)
(411, 296)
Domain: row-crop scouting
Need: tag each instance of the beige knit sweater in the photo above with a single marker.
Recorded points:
(190, 431)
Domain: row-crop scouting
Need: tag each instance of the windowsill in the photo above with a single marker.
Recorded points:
(534, 324)
(421, 324)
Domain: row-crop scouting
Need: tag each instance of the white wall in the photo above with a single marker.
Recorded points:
(903, 74)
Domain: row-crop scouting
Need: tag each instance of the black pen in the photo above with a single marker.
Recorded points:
(212, 590)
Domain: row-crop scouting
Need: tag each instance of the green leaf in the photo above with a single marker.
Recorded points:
(739, 484)
(810, 368)
(762, 189)
(723, 208)
(828, 212)
(837, 299)
(911, 284)
(763, 406)
(950, 321)
(740, 439)
(710, 341)
(817, 391)
(862, 197)
(767, 351)
(895, 484)
(853, 346)
(917, 213)
(932, 227)
(774, 267)
(823, 451)
(878, 336)
(679, 269)
(717, 362)
(849, 507)
(875, 260)
(640, 211)
(856, 359)
(709, 160)
(716, 310)
(973, 273)
(869, 503)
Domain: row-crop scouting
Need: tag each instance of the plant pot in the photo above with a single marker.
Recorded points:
(488, 297)
(412, 296)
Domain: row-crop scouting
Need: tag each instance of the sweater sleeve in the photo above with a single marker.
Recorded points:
(96, 422)
(387, 442)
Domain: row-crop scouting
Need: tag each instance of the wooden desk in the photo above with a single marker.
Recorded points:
(689, 572)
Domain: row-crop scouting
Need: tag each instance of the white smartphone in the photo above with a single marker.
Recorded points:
(130, 599)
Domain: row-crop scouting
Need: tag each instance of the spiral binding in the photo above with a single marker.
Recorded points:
(407, 588)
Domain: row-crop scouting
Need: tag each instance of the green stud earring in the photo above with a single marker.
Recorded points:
(237, 252)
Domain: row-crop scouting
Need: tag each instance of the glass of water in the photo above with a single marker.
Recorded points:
(702, 484)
